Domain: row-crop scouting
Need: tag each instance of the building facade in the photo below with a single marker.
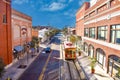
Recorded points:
(34, 32)
(42, 34)
(21, 31)
(101, 28)
(5, 31)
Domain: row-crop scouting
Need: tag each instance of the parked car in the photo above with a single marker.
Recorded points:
(47, 50)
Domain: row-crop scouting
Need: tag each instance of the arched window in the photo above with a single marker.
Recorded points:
(114, 65)
(91, 51)
(86, 48)
(100, 56)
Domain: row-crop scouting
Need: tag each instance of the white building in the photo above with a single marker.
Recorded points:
(41, 34)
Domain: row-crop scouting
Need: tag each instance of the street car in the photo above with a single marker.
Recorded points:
(47, 49)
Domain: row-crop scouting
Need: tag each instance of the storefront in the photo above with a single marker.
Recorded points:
(91, 51)
(100, 56)
(114, 66)
(17, 51)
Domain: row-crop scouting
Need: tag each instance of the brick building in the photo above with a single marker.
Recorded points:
(5, 31)
(21, 31)
(35, 32)
(99, 27)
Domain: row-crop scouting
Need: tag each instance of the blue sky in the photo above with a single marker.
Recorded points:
(57, 13)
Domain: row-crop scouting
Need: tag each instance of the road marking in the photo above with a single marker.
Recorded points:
(44, 68)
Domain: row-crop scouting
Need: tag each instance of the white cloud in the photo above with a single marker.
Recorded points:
(20, 1)
(53, 6)
(70, 1)
(70, 12)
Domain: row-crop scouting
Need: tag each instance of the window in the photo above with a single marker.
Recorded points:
(86, 48)
(92, 33)
(100, 56)
(86, 32)
(115, 34)
(102, 33)
(91, 51)
(4, 19)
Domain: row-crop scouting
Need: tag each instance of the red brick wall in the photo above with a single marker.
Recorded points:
(80, 19)
(19, 21)
(101, 9)
(5, 32)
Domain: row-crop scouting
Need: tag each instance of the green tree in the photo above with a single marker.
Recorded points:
(34, 42)
(65, 31)
(2, 65)
(74, 39)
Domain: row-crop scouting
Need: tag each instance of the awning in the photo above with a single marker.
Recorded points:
(18, 48)
(32, 49)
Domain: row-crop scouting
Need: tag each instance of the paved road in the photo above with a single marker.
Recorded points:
(52, 70)
(46, 64)
(34, 70)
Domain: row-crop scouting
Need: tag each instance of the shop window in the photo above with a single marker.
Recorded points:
(91, 51)
(92, 32)
(114, 66)
(115, 34)
(100, 55)
(86, 48)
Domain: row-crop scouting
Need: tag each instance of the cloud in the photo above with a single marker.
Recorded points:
(70, 1)
(70, 12)
(53, 6)
(20, 1)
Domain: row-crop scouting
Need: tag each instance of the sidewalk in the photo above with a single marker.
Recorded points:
(12, 71)
(99, 74)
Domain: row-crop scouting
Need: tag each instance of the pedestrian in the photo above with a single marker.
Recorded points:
(37, 49)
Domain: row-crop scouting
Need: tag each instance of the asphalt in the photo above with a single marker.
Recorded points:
(12, 71)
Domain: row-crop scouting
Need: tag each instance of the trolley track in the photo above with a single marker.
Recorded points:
(69, 70)
(74, 70)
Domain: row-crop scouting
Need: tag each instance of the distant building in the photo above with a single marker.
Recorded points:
(34, 33)
(42, 34)
(5, 31)
(42, 27)
(71, 30)
(21, 30)
(99, 27)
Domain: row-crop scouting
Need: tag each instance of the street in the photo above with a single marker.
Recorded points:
(47, 66)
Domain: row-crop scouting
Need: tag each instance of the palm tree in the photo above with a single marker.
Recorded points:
(65, 31)
(72, 38)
